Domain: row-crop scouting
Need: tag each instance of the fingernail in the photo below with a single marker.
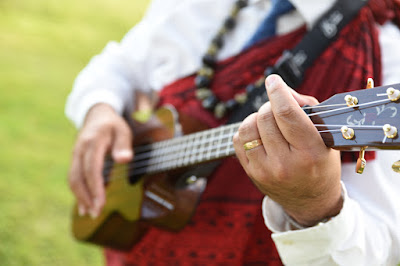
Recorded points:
(123, 153)
(93, 213)
(270, 81)
(81, 210)
(96, 203)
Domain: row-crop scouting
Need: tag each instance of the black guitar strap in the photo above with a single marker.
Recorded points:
(292, 64)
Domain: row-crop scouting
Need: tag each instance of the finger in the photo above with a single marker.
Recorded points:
(93, 161)
(239, 150)
(296, 127)
(248, 131)
(303, 99)
(271, 136)
(78, 185)
(122, 146)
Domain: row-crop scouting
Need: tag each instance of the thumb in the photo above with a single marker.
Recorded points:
(300, 98)
(122, 151)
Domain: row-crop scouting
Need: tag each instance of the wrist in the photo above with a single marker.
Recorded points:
(314, 215)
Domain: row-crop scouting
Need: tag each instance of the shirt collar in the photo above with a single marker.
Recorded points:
(310, 10)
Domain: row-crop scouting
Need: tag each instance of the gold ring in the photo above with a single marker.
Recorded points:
(252, 144)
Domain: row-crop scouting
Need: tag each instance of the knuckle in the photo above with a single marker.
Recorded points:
(86, 140)
(73, 183)
(89, 175)
(310, 159)
(286, 111)
(76, 152)
(254, 154)
(124, 131)
(235, 139)
(246, 128)
(265, 117)
(280, 171)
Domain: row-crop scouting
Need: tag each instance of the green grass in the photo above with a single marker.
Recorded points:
(43, 45)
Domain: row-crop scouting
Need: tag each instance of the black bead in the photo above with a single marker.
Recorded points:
(268, 71)
(218, 41)
(241, 3)
(202, 81)
(230, 23)
(250, 88)
(209, 60)
(210, 102)
(231, 104)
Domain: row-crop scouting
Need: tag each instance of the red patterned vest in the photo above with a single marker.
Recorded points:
(227, 228)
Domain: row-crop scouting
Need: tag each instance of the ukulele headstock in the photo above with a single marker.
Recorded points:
(364, 118)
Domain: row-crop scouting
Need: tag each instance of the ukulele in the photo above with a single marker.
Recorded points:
(162, 185)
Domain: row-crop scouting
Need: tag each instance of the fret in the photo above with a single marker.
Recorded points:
(156, 164)
(199, 151)
(159, 148)
(169, 164)
(211, 143)
(175, 155)
(206, 145)
(161, 152)
(230, 149)
(191, 154)
(226, 140)
(182, 150)
(218, 144)
(197, 143)
(188, 148)
(169, 158)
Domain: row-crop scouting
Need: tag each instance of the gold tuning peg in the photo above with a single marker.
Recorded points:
(370, 83)
(396, 167)
(361, 162)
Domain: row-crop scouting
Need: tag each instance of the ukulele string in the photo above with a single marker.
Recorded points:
(145, 154)
(147, 164)
(145, 151)
(170, 147)
(349, 107)
(151, 163)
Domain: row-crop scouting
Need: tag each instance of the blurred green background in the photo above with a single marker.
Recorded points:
(43, 46)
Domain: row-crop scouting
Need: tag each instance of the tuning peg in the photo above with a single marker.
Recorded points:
(396, 167)
(370, 83)
(347, 133)
(393, 94)
(361, 162)
(351, 101)
(390, 131)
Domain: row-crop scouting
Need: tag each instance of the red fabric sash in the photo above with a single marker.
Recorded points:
(227, 228)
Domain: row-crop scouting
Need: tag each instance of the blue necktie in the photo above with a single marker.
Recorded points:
(267, 27)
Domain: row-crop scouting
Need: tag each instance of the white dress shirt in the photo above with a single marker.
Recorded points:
(168, 44)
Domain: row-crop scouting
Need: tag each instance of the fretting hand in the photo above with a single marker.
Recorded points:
(103, 131)
(289, 161)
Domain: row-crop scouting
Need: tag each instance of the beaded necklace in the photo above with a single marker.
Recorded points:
(206, 72)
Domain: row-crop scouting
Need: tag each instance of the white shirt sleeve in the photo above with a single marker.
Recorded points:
(112, 76)
(366, 231)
